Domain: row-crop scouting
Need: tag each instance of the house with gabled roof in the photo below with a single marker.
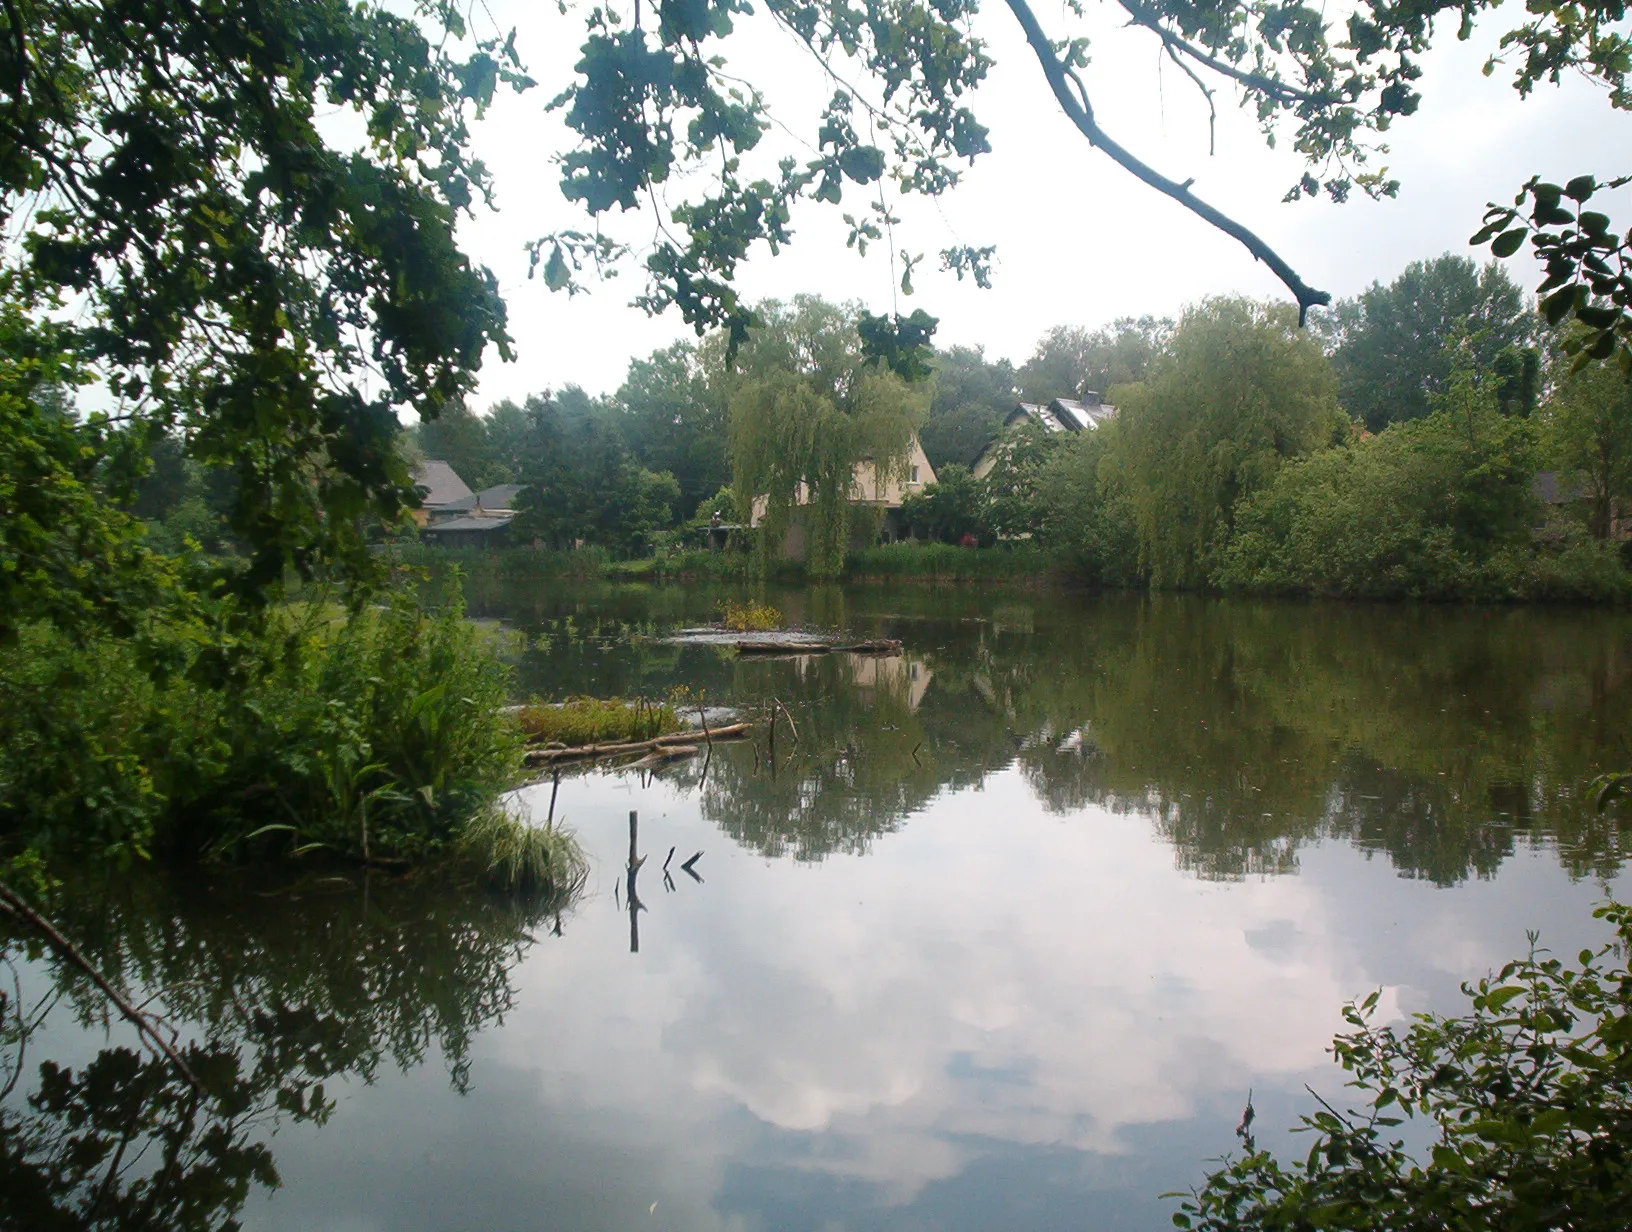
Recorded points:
(884, 491)
(440, 489)
(452, 515)
(1068, 415)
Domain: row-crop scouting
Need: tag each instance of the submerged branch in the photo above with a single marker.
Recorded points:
(1061, 80)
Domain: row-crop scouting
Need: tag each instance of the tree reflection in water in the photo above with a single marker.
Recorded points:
(1245, 731)
(277, 994)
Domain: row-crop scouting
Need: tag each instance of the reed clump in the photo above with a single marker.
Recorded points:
(589, 720)
(519, 858)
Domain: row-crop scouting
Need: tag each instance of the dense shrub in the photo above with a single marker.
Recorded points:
(1438, 508)
(381, 732)
(1087, 519)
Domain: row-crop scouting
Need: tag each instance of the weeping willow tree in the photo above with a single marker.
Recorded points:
(1237, 390)
(808, 408)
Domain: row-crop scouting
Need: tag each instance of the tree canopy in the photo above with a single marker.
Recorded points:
(972, 395)
(657, 106)
(234, 273)
(1238, 390)
(1393, 344)
(1070, 361)
(806, 407)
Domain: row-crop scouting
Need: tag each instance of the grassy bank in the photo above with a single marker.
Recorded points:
(1560, 568)
(937, 563)
(1020, 564)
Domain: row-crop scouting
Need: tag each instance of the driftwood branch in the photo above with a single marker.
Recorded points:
(15, 907)
(1072, 96)
(734, 731)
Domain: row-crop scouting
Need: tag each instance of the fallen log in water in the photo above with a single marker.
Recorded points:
(877, 646)
(665, 753)
(733, 731)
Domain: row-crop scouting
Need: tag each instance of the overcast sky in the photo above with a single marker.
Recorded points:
(1079, 241)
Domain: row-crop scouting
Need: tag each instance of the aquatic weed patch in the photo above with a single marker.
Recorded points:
(750, 616)
(590, 720)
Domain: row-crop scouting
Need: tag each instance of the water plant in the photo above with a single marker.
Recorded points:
(515, 856)
(749, 616)
(590, 720)
(375, 735)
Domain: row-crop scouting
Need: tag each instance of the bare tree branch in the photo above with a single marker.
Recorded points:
(15, 907)
(1081, 113)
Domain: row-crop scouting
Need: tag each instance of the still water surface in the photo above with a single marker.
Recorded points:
(1003, 942)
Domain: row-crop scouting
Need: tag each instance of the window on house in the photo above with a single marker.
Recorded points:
(915, 474)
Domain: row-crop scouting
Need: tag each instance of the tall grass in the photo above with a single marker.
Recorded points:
(589, 720)
(520, 858)
(749, 616)
(1018, 563)
(483, 565)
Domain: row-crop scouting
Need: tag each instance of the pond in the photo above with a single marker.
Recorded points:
(1002, 938)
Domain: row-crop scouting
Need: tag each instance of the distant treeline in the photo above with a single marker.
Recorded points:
(1391, 449)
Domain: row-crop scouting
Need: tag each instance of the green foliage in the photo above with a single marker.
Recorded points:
(1238, 390)
(380, 731)
(170, 171)
(658, 107)
(1588, 263)
(1395, 516)
(1437, 508)
(524, 859)
(1069, 361)
(1011, 508)
(1085, 516)
(951, 509)
(806, 408)
(1395, 346)
(583, 485)
(1587, 429)
(674, 420)
(971, 397)
(749, 616)
(68, 552)
(589, 720)
(1529, 1095)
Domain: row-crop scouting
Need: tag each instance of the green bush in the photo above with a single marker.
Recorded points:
(1529, 1096)
(1439, 508)
(380, 733)
(1086, 518)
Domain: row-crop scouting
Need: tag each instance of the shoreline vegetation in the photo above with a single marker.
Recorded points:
(1565, 570)
(380, 737)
